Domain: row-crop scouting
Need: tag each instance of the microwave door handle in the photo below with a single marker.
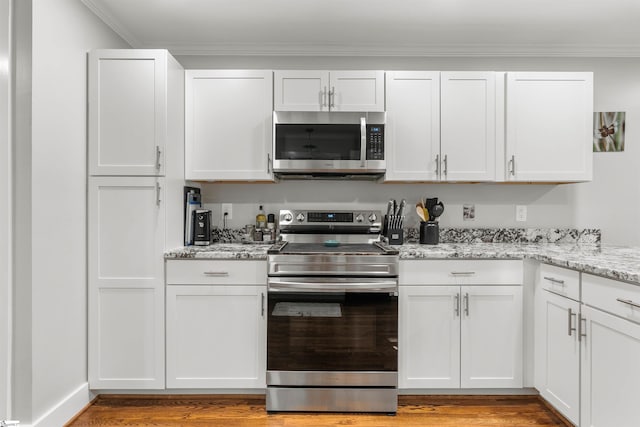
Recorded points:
(363, 141)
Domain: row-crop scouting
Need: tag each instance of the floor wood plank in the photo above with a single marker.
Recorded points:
(249, 410)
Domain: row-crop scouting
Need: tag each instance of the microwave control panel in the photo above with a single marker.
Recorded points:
(375, 142)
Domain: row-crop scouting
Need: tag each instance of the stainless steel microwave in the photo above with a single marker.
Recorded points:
(331, 147)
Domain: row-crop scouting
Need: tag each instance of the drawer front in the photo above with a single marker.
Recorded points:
(461, 272)
(619, 298)
(561, 281)
(216, 272)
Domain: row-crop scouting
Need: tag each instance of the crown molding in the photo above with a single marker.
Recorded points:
(389, 50)
(112, 23)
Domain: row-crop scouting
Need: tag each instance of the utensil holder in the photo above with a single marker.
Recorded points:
(392, 229)
(429, 233)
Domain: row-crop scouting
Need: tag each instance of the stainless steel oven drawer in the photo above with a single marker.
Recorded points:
(332, 399)
(332, 378)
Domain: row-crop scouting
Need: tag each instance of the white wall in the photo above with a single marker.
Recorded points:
(6, 206)
(55, 317)
(616, 183)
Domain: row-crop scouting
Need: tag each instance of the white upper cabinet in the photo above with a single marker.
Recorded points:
(127, 111)
(549, 127)
(441, 126)
(468, 126)
(302, 90)
(229, 125)
(412, 132)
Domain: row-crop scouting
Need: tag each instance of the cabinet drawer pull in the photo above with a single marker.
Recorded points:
(456, 305)
(217, 273)
(262, 304)
(323, 102)
(628, 302)
(463, 273)
(332, 97)
(158, 189)
(437, 165)
(571, 314)
(512, 167)
(552, 280)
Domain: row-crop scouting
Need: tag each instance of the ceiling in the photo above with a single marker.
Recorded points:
(607, 28)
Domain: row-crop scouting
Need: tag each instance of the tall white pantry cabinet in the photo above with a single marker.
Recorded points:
(136, 172)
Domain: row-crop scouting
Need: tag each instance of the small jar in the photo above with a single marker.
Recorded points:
(257, 235)
(266, 236)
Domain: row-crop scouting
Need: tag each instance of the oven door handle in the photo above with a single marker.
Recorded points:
(322, 287)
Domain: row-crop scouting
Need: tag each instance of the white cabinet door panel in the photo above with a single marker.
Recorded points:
(127, 112)
(126, 345)
(549, 126)
(126, 232)
(301, 90)
(216, 337)
(557, 352)
(468, 126)
(491, 336)
(357, 90)
(412, 134)
(610, 371)
(429, 345)
(229, 118)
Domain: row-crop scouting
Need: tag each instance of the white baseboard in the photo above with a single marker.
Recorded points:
(66, 409)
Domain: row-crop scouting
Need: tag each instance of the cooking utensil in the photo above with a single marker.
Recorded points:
(420, 212)
(437, 210)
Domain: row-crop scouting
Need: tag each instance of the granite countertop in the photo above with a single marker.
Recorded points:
(615, 262)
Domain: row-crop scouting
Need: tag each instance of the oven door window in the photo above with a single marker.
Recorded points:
(317, 142)
(332, 332)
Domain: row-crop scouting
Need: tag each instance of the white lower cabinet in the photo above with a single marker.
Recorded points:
(216, 334)
(557, 352)
(468, 336)
(610, 368)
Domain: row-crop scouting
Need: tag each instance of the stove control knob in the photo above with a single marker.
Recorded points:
(359, 218)
(300, 217)
(287, 217)
(373, 218)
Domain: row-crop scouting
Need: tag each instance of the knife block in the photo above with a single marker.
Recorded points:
(392, 229)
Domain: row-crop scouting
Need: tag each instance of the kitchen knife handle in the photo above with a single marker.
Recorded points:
(571, 315)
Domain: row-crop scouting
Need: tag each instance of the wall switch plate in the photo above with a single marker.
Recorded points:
(521, 213)
(227, 208)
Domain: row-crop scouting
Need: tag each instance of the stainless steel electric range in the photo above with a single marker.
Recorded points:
(332, 325)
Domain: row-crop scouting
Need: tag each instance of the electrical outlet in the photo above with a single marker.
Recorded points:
(521, 213)
(227, 208)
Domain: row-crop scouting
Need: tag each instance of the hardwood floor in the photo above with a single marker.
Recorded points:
(249, 410)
